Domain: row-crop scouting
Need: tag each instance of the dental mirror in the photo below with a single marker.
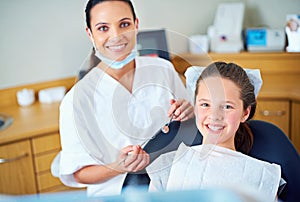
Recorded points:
(165, 128)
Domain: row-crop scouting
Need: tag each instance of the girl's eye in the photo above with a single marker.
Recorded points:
(204, 104)
(125, 24)
(227, 107)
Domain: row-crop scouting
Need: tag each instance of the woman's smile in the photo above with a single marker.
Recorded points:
(117, 48)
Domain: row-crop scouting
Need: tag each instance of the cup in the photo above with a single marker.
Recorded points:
(199, 44)
(25, 97)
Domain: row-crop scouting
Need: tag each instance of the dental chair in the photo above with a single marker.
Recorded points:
(270, 144)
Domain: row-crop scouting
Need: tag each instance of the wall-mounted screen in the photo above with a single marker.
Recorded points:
(153, 43)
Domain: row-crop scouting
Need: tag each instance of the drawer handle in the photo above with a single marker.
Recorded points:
(272, 113)
(13, 159)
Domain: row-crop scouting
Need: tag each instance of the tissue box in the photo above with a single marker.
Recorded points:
(50, 95)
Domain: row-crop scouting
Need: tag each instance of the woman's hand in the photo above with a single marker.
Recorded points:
(182, 110)
(132, 159)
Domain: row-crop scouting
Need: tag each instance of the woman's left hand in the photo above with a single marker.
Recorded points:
(181, 110)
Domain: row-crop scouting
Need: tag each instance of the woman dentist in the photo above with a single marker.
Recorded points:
(108, 116)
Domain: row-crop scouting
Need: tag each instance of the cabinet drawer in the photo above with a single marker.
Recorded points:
(16, 169)
(46, 143)
(276, 112)
(43, 162)
(46, 181)
(59, 188)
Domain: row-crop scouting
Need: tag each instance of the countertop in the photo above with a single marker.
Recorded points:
(30, 121)
(290, 94)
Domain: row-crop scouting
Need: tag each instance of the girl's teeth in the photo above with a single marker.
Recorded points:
(215, 128)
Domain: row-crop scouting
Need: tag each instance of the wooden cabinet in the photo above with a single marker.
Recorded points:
(276, 112)
(45, 148)
(16, 169)
(25, 166)
(30, 143)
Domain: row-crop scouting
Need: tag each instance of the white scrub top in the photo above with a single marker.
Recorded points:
(98, 117)
(211, 166)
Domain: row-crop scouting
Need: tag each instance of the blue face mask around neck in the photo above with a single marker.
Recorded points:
(112, 63)
(116, 64)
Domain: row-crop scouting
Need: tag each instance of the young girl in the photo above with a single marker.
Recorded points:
(224, 102)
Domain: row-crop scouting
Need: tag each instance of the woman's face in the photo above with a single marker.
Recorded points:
(219, 111)
(113, 29)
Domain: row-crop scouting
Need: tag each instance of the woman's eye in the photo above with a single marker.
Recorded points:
(103, 28)
(124, 24)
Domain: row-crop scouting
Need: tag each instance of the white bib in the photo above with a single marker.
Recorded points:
(210, 166)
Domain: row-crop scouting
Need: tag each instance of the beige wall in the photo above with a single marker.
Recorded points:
(189, 17)
(45, 40)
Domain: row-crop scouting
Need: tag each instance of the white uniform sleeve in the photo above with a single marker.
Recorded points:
(73, 155)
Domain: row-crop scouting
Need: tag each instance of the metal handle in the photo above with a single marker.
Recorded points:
(14, 158)
(272, 113)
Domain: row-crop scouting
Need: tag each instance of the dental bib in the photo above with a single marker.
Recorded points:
(211, 166)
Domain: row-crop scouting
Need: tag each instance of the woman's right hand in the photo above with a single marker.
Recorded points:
(182, 110)
(132, 159)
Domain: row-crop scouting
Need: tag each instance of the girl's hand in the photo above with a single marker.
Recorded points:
(132, 159)
(182, 110)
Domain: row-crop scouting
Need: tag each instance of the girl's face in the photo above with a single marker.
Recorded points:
(113, 29)
(219, 111)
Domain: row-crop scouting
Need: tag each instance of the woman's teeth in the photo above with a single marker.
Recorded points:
(116, 48)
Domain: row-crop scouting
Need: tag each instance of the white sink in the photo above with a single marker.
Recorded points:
(5, 121)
